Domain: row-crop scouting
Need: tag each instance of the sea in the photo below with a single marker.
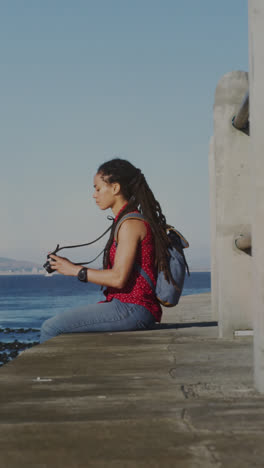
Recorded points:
(27, 300)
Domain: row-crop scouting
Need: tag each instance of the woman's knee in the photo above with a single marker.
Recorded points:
(48, 330)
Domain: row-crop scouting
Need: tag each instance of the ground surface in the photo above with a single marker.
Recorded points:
(172, 397)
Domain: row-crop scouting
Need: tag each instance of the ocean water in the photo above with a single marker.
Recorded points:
(26, 301)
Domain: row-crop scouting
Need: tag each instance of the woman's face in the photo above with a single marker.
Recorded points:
(104, 193)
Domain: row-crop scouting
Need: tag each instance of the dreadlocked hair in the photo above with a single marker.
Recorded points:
(140, 197)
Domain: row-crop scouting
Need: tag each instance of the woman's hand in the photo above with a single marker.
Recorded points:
(63, 266)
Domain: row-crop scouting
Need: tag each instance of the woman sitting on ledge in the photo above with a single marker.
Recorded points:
(130, 303)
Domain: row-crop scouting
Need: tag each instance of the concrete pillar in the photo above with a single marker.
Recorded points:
(256, 59)
(214, 279)
(231, 268)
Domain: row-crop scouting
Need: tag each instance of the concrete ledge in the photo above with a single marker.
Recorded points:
(169, 397)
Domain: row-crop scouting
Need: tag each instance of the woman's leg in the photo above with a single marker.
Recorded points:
(100, 317)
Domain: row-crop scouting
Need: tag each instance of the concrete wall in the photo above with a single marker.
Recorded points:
(256, 58)
(214, 276)
(230, 209)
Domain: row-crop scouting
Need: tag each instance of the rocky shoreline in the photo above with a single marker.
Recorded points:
(12, 342)
(9, 351)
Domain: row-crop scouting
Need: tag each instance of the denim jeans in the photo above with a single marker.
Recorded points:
(101, 317)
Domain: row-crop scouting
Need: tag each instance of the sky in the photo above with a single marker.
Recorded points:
(85, 81)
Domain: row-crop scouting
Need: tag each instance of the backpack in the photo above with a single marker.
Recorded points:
(167, 294)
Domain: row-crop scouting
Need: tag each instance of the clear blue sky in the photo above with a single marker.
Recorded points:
(85, 81)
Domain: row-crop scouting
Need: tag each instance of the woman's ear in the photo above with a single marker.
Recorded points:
(116, 188)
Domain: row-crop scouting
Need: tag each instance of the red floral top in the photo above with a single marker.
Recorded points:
(137, 290)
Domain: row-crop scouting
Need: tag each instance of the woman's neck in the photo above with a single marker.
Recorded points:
(118, 206)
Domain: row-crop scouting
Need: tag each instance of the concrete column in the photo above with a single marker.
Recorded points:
(230, 194)
(256, 58)
(214, 279)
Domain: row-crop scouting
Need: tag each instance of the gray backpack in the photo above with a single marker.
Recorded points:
(167, 294)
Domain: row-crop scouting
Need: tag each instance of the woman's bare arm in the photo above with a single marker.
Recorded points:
(130, 234)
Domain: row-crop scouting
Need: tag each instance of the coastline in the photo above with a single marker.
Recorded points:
(22, 273)
(43, 272)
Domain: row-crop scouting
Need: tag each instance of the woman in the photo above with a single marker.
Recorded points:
(130, 302)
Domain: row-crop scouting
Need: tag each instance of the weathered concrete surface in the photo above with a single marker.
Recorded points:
(168, 397)
(213, 230)
(191, 309)
(231, 211)
(256, 59)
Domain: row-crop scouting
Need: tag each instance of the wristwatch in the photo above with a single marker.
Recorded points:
(82, 274)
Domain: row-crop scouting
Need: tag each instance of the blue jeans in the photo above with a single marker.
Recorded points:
(101, 317)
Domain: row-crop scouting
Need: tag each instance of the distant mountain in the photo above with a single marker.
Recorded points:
(9, 264)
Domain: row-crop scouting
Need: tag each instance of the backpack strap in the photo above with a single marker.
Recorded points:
(143, 273)
(184, 242)
(136, 266)
(127, 216)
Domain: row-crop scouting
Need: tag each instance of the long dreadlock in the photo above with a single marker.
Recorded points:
(136, 190)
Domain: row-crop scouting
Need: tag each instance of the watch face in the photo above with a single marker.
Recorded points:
(82, 274)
